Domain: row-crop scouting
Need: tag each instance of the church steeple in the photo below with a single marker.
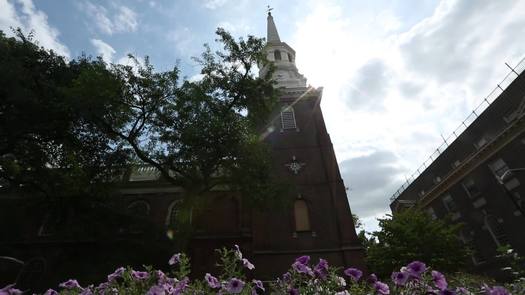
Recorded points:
(283, 57)
(272, 35)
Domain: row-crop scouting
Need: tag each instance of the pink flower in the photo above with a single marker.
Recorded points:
(139, 275)
(70, 284)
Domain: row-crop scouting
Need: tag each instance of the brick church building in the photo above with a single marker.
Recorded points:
(318, 223)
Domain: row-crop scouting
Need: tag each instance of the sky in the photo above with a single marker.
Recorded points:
(397, 75)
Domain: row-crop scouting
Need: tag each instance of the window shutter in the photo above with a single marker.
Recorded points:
(288, 119)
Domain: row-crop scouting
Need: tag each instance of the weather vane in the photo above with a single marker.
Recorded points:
(269, 9)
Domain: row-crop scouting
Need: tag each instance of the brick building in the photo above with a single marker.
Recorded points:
(319, 222)
(476, 179)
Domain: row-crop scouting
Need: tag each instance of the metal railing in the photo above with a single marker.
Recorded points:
(485, 103)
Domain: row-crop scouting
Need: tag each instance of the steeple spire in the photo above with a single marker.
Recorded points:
(283, 58)
(272, 34)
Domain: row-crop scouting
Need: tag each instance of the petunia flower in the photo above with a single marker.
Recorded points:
(400, 278)
(48, 292)
(381, 288)
(139, 275)
(439, 280)
(156, 290)
(354, 273)
(293, 291)
(302, 268)
(116, 274)
(234, 286)
(70, 284)
(174, 259)
(372, 278)
(303, 259)
(259, 284)
(416, 268)
(246, 263)
(10, 290)
(212, 281)
(497, 290)
(321, 269)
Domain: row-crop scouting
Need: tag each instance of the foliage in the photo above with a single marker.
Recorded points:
(411, 235)
(46, 145)
(515, 267)
(302, 278)
(71, 128)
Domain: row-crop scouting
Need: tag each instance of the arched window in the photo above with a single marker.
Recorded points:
(173, 211)
(302, 216)
(290, 57)
(139, 208)
(277, 55)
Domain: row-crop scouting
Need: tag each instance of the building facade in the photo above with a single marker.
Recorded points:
(477, 180)
(319, 222)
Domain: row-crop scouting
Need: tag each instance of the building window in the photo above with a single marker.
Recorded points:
(173, 211)
(288, 118)
(277, 55)
(290, 57)
(499, 167)
(496, 231)
(470, 187)
(432, 213)
(302, 216)
(449, 203)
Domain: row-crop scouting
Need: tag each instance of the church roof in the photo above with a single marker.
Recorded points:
(272, 34)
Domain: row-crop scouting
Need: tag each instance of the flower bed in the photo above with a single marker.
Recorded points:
(303, 277)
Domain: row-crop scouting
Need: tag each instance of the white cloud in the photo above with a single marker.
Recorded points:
(401, 89)
(28, 18)
(103, 49)
(123, 19)
(183, 39)
(214, 4)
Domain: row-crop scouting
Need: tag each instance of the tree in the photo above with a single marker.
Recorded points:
(412, 235)
(77, 125)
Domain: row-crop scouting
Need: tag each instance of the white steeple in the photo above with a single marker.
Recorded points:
(283, 57)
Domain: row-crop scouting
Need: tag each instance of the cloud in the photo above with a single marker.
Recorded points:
(369, 88)
(183, 39)
(103, 49)
(30, 19)
(392, 87)
(368, 177)
(124, 18)
(214, 4)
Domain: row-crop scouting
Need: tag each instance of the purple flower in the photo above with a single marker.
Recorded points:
(116, 274)
(48, 292)
(70, 284)
(156, 290)
(234, 286)
(372, 278)
(400, 278)
(259, 284)
(181, 285)
(416, 268)
(354, 273)
(381, 288)
(447, 292)
(293, 291)
(139, 275)
(439, 280)
(497, 290)
(87, 291)
(101, 288)
(174, 259)
(212, 281)
(321, 269)
(9, 290)
(302, 268)
(303, 259)
(246, 263)
(238, 252)
(462, 290)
